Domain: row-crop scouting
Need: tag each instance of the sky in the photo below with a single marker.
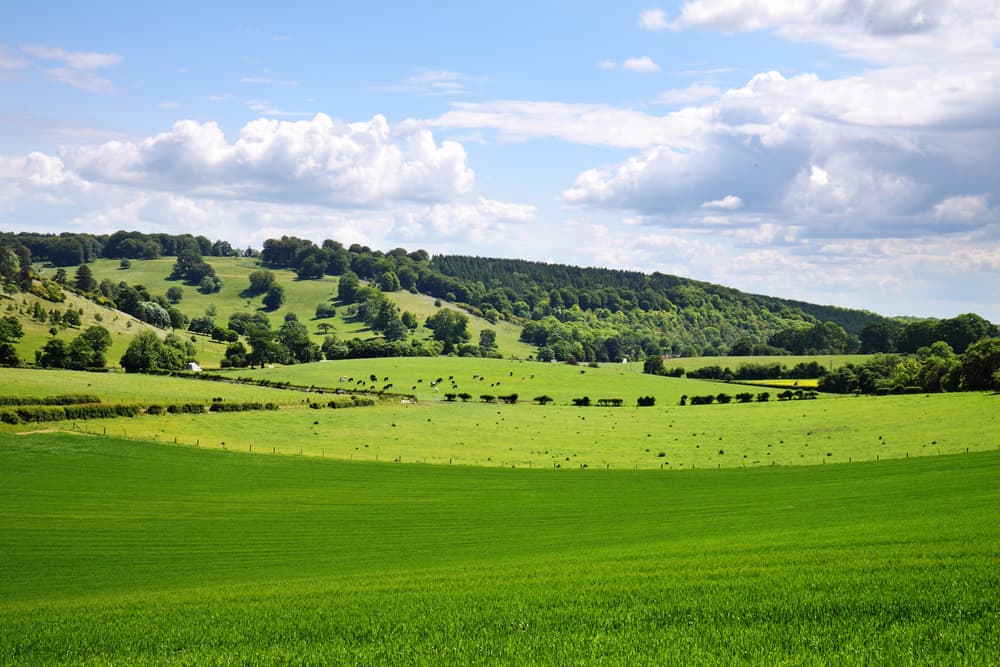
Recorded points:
(841, 152)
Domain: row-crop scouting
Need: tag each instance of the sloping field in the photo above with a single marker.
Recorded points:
(301, 298)
(117, 552)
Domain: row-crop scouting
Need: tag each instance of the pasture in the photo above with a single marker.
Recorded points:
(120, 552)
(831, 429)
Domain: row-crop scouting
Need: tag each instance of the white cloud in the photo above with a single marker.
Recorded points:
(318, 161)
(608, 65)
(80, 60)
(430, 82)
(653, 19)
(367, 182)
(643, 65)
(593, 124)
(77, 67)
(729, 203)
(694, 93)
(962, 208)
(893, 31)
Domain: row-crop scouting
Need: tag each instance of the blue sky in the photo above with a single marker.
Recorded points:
(840, 152)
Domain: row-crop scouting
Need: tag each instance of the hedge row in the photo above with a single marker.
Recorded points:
(176, 409)
(52, 413)
(241, 407)
(62, 399)
(276, 384)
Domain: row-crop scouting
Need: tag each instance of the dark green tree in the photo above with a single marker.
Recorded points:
(980, 364)
(146, 353)
(87, 350)
(275, 297)
(11, 331)
(450, 327)
(84, 279)
(260, 282)
(294, 336)
(53, 354)
(487, 342)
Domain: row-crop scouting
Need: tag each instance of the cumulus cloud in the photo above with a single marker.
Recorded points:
(314, 161)
(892, 31)
(367, 182)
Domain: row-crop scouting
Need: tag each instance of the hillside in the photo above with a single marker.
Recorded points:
(377, 301)
(694, 317)
(301, 299)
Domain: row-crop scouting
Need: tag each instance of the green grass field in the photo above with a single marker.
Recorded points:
(118, 552)
(818, 432)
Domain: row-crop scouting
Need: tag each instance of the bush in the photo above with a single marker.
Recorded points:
(186, 408)
(646, 401)
(542, 400)
(325, 310)
(581, 402)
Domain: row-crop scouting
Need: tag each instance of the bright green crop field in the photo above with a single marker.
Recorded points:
(128, 553)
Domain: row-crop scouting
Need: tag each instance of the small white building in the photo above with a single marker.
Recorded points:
(194, 367)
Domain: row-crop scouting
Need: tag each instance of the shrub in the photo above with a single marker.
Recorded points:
(646, 401)
(581, 402)
(542, 400)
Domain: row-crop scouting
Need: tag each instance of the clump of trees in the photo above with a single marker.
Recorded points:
(85, 352)
(934, 368)
(147, 353)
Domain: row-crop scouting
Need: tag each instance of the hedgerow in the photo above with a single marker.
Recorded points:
(62, 399)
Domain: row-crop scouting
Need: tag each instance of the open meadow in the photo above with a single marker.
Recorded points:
(123, 552)
(431, 429)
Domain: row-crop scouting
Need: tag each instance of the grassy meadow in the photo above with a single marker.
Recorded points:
(121, 326)
(123, 552)
(301, 298)
(831, 429)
